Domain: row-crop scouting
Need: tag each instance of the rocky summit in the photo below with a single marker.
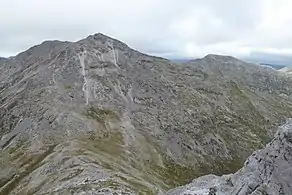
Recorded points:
(97, 117)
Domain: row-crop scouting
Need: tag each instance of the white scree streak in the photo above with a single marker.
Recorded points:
(85, 87)
(113, 51)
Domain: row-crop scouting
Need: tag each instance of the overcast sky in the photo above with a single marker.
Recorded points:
(169, 28)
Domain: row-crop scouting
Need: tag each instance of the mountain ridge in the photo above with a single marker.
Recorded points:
(98, 117)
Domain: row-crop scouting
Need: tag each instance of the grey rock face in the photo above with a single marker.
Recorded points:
(97, 117)
(267, 171)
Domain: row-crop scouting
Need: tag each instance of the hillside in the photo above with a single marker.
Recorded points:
(266, 171)
(98, 117)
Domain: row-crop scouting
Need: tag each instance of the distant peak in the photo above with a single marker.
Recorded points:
(216, 56)
(2, 59)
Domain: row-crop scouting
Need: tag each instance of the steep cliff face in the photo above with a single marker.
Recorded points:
(96, 116)
(267, 171)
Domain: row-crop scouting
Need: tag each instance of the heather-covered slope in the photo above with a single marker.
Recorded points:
(96, 116)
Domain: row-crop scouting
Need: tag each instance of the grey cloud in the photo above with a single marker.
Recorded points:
(270, 58)
(165, 27)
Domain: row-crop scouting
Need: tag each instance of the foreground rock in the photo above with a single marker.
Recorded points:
(98, 117)
(267, 171)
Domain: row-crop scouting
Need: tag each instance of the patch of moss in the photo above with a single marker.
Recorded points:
(100, 114)
(174, 174)
(235, 90)
(110, 183)
(137, 186)
(68, 86)
(223, 166)
(112, 144)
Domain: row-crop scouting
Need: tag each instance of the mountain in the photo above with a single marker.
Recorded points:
(98, 117)
(266, 171)
(275, 66)
(269, 58)
(286, 70)
(2, 60)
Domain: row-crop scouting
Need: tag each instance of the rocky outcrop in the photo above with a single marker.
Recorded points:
(267, 171)
(98, 117)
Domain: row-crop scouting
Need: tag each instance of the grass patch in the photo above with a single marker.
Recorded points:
(30, 163)
(137, 186)
(236, 91)
(100, 114)
(68, 87)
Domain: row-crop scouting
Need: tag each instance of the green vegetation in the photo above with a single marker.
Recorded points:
(174, 174)
(28, 163)
(143, 176)
(236, 91)
(144, 166)
(68, 87)
(141, 189)
(100, 115)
